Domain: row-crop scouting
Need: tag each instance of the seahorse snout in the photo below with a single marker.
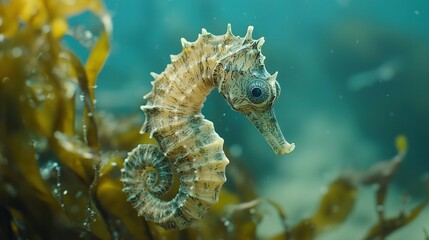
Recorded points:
(267, 125)
(285, 148)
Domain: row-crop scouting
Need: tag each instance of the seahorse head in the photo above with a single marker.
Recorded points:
(248, 88)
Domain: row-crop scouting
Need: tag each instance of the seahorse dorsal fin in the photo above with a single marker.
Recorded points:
(248, 36)
(185, 43)
(174, 58)
(261, 42)
(148, 95)
(154, 75)
(229, 30)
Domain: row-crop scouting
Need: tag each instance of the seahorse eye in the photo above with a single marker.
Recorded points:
(258, 91)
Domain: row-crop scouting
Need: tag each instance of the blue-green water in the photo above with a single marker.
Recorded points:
(354, 74)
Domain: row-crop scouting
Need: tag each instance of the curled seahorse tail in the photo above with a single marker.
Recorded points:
(147, 175)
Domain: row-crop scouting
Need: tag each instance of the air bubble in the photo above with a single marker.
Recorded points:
(85, 133)
(57, 189)
(236, 150)
(47, 169)
(78, 194)
(85, 37)
(46, 28)
(70, 2)
(16, 52)
(226, 223)
(229, 226)
(252, 211)
(88, 34)
(90, 218)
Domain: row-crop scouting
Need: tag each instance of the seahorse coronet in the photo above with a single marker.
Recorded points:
(188, 143)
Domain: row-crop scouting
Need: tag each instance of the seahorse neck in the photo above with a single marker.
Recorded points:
(180, 90)
(202, 72)
(191, 79)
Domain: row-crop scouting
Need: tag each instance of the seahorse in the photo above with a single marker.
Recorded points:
(188, 143)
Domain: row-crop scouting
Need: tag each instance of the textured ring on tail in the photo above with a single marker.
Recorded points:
(188, 143)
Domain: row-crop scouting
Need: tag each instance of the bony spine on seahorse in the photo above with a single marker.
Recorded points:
(188, 143)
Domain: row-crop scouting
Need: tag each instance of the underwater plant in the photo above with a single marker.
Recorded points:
(39, 81)
(188, 142)
(60, 165)
(338, 201)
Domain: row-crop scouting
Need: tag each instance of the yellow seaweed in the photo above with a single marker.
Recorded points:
(113, 200)
(337, 203)
(401, 143)
(37, 96)
(388, 226)
(334, 207)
